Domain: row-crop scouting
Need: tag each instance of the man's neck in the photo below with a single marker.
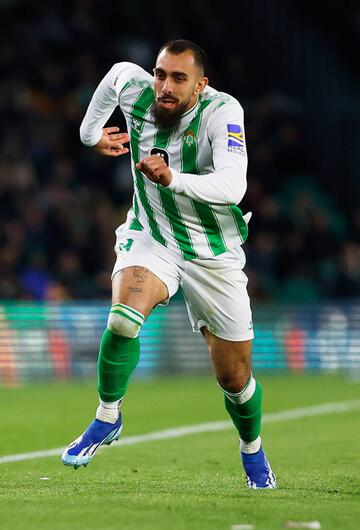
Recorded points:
(191, 108)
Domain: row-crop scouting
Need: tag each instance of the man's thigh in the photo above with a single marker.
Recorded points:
(143, 275)
(139, 288)
(215, 292)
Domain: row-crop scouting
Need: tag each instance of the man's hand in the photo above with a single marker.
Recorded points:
(155, 169)
(111, 142)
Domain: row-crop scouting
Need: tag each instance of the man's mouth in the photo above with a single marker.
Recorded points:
(168, 103)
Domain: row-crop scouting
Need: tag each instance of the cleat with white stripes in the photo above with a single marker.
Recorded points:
(258, 472)
(80, 451)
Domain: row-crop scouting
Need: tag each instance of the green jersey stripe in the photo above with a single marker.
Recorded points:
(171, 209)
(240, 222)
(211, 227)
(179, 229)
(139, 109)
(189, 146)
(125, 87)
(189, 165)
(135, 223)
(136, 206)
(219, 105)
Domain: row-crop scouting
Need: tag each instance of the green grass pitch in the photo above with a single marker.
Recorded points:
(194, 482)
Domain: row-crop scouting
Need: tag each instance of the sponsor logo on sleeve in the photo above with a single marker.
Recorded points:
(235, 136)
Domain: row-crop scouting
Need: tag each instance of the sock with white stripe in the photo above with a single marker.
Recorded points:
(244, 409)
(118, 357)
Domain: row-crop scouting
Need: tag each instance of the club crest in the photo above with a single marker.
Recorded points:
(189, 137)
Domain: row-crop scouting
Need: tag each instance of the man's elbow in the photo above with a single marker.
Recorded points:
(238, 195)
(85, 137)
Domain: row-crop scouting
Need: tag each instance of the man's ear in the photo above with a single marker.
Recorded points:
(201, 85)
(204, 81)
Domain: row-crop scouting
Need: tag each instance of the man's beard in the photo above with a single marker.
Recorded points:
(168, 118)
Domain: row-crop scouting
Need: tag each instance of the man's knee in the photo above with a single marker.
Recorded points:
(125, 321)
(232, 382)
(233, 377)
(232, 363)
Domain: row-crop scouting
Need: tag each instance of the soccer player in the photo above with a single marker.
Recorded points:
(184, 230)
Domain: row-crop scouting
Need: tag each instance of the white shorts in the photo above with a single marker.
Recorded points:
(214, 289)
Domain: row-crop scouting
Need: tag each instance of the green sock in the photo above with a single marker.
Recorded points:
(118, 357)
(245, 410)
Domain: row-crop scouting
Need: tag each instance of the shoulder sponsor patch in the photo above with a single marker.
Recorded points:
(235, 136)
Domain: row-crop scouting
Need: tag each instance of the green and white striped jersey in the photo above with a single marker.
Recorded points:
(197, 212)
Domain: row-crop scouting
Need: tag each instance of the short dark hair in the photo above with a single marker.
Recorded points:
(182, 45)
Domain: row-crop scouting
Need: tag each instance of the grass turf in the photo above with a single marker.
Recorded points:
(193, 483)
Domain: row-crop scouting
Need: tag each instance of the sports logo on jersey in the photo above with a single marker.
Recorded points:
(235, 136)
(189, 137)
(126, 245)
(136, 124)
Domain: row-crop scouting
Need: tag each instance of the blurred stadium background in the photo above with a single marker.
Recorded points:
(293, 67)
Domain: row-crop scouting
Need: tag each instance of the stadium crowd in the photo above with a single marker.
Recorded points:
(60, 202)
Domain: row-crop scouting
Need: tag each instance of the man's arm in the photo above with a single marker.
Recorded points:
(107, 141)
(227, 183)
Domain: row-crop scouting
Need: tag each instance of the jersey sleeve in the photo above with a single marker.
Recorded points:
(104, 101)
(227, 183)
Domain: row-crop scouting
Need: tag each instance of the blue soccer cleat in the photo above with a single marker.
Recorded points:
(258, 472)
(80, 451)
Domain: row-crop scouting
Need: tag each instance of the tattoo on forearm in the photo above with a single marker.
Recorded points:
(135, 289)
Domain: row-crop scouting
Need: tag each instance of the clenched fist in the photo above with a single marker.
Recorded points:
(155, 169)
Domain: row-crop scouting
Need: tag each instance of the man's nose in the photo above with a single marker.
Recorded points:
(167, 87)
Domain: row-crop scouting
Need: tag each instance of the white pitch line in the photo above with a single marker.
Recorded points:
(285, 415)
